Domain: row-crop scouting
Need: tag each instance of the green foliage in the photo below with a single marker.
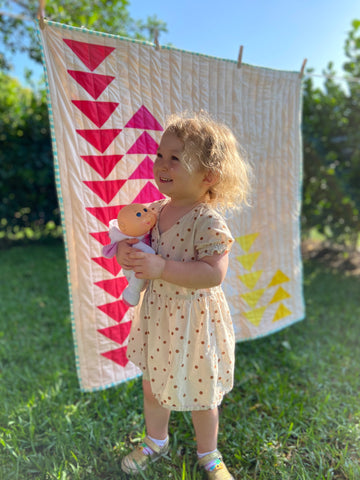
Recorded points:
(28, 198)
(329, 204)
(331, 200)
(17, 30)
(293, 413)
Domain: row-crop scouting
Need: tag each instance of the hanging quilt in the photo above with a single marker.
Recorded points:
(108, 99)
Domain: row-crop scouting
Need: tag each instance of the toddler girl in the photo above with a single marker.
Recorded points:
(183, 340)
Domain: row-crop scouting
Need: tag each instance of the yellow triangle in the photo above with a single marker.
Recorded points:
(246, 241)
(281, 312)
(247, 261)
(253, 297)
(255, 316)
(250, 279)
(280, 294)
(279, 277)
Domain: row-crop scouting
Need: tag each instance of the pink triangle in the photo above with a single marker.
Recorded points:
(101, 237)
(97, 112)
(144, 170)
(114, 286)
(102, 164)
(144, 119)
(90, 54)
(93, 83)
(105, 189)
(109, 264)
(100, 139)
(115, 310)
(144, 144)
(118, 356)
(105, 214)
(117, 333)
(148, 194)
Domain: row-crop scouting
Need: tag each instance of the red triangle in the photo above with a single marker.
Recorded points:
(115, 310)
(144, 170)
(144, 119)
(118, 333)
(144, 144)
(109, 264)
(105, 214)
(93, 83)
(100, 139)
(90, 54)
(114, 286)
(102, 164)
(117, 356)
(105, 189)
(101, 237)
(148, 194)
(97, 112)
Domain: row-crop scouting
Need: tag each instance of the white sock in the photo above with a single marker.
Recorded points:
(201, 455)
(160, 443)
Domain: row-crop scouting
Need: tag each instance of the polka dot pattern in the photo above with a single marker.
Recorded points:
(183, 340)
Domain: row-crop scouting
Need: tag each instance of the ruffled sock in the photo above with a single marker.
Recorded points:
(149, 451)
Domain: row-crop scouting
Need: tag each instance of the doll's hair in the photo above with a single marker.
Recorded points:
(212, 147)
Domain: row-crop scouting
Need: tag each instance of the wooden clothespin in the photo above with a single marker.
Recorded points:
(301, 74)
(41, 14)
(239, 62)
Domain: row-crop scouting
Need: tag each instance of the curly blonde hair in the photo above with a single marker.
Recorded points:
(212, 147)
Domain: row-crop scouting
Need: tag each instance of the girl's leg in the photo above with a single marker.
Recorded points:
(156, 416)
(156, 442)
(206, 425)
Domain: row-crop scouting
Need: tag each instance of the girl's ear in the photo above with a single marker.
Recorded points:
(211, 178)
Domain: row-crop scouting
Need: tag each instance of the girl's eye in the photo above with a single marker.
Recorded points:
(138, 214)
(145, 210)
(174, 158)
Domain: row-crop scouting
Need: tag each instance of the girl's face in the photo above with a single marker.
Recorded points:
(172, 178)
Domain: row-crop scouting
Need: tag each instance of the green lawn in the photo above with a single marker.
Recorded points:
(294, 412)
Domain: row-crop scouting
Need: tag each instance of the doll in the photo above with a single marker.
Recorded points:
(133, 221)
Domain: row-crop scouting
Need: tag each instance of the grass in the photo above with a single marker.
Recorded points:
(294, 412)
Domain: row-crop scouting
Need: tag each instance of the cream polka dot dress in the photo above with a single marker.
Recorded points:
(183, 339)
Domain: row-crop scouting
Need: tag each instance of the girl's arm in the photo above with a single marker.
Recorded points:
(205, 273)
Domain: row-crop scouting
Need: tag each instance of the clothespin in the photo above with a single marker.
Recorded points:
(156, 39)
(41, 14)
(239, 62)
(301, 74)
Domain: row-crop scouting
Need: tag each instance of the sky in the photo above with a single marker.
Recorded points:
(277, 34)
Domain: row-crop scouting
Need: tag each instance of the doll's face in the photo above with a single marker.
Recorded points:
(136, 219)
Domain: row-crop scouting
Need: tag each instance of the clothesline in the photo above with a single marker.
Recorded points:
(333, 77)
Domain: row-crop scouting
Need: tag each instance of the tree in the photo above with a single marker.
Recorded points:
(17, 17)
(331, 160)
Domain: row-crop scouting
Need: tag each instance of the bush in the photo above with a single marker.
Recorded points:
(28, 196)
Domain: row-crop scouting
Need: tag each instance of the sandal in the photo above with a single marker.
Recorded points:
(137, 460)
(219, 470)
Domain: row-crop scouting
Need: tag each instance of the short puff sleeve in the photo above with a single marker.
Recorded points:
(212, 235)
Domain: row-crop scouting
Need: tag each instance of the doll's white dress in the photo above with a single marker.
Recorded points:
(183, 339)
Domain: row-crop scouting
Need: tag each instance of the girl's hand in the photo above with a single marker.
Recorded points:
(124, 249)
(147, 265)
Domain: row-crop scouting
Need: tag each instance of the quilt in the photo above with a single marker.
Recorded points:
(108, 100)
